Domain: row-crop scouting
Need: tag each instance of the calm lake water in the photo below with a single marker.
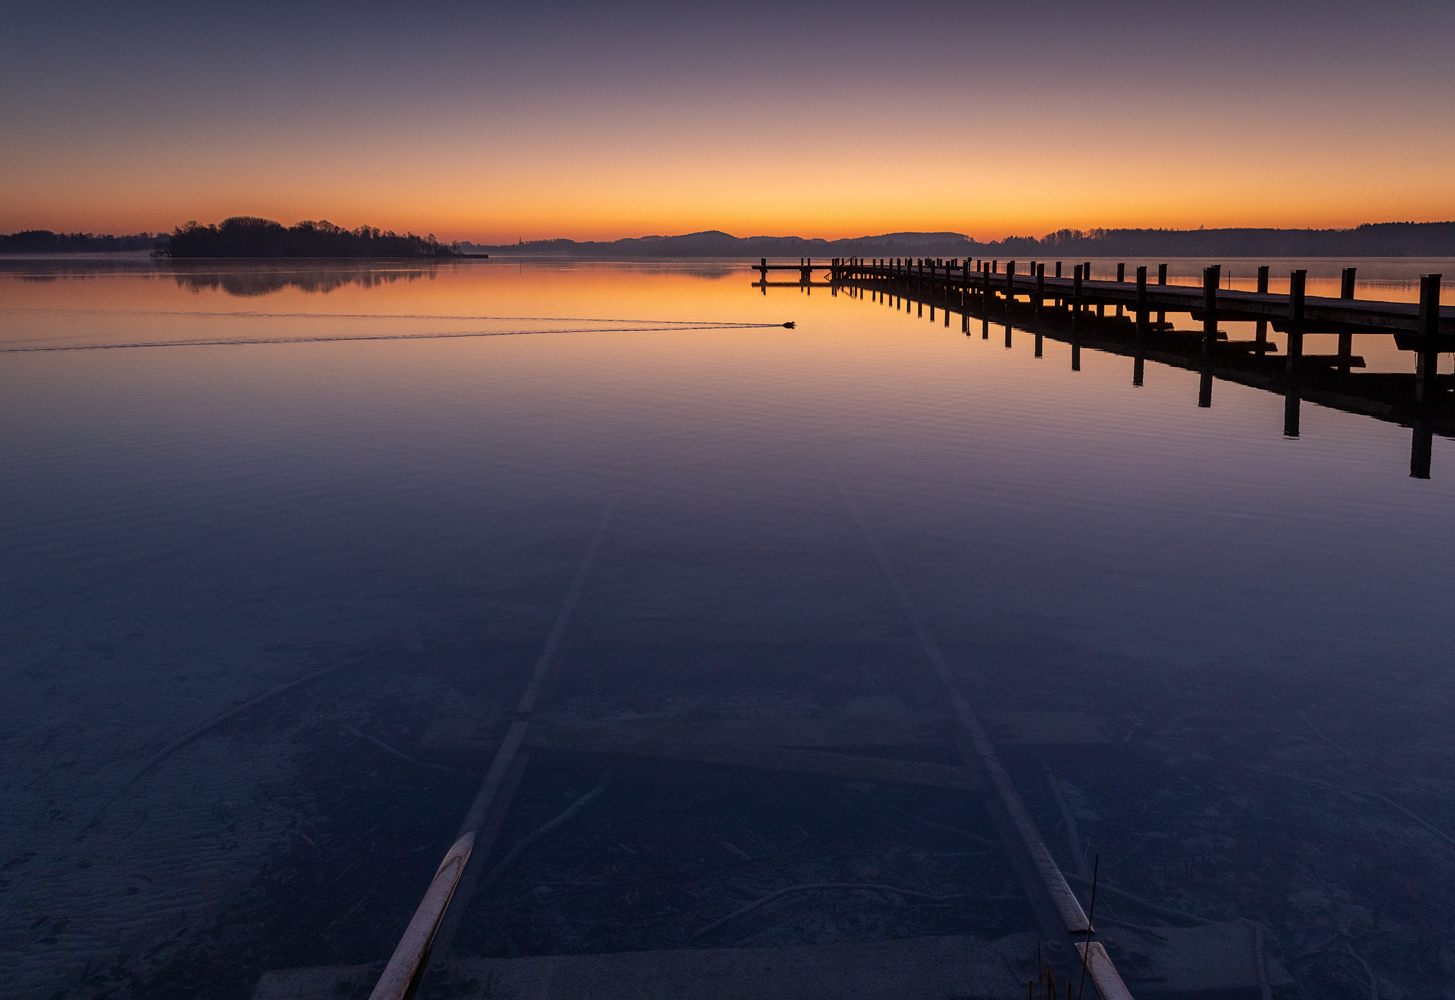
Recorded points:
(1222, 653)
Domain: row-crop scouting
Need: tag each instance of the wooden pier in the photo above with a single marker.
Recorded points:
(1079, 291)
(1129, 318)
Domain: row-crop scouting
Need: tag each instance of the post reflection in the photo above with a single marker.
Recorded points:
(1063, 311)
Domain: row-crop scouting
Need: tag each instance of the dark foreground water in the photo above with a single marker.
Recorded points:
(1224, 654)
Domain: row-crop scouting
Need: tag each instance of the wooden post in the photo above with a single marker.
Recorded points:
(1076, 289)
(1058, 269)
(1086, 270)
(1346, 340)
(1211, 278)
(1141, 305)
(1290, 409)
(1296, 280)
(1260, 336)
(1428, 357)
(1040, 285)
(1421, 446)
(1009, 283)
(1161, 280)
(1291, 399)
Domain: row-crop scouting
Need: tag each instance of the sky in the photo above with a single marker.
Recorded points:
(494, 121)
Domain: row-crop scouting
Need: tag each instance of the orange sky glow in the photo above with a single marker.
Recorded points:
(825, 129)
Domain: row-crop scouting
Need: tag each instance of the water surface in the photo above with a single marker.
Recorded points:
(220, 477)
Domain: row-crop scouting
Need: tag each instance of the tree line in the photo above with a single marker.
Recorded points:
(45, 241)
(249, 236)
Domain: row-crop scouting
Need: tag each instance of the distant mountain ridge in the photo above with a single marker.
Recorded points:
(1382, 239)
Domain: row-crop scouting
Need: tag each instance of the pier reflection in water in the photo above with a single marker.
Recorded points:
(1213, 656)
(1420, 399)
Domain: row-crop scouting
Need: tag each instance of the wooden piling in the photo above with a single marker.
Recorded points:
(1427, 358)
(1141, 305)
(1346, 285)
(1421, 447)
(1161, 280)
(1290, 409)
(1260, 336)
(1296, 281)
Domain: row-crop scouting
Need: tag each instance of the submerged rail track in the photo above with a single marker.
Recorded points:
(1063, 944)
(1066, 944)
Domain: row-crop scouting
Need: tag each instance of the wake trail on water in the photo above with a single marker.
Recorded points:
(253, 314)
(230, 342)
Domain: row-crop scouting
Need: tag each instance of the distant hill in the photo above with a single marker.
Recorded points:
(1385, 239)
(246, 236)
(714, 243)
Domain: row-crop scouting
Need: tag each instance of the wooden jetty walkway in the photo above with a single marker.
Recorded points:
(1074, 309)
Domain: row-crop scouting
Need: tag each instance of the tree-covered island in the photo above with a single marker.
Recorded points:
(249, 236)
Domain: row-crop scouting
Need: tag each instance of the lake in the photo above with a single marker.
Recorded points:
(1213, 658)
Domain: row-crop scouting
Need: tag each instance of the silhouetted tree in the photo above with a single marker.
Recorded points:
(45, 241)
(249, 236)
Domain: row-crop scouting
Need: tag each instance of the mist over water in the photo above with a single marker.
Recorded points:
(398, 467)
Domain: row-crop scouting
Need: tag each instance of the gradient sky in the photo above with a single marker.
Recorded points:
(493, 121)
